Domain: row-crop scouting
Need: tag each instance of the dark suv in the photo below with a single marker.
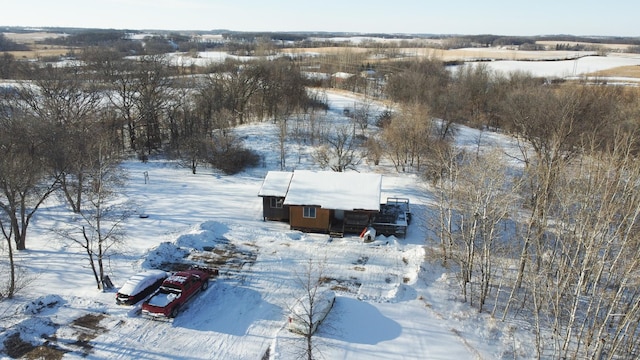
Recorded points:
(140, 286)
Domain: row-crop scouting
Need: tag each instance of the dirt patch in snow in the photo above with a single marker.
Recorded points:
(16, 347)
(87, 328)
(226, 257)
(350, 285)
(84, 329)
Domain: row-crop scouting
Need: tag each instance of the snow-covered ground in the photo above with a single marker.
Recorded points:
(568, 68)
(393, 302)
(550, 65)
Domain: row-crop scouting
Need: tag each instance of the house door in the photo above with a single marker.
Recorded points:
(339, 214)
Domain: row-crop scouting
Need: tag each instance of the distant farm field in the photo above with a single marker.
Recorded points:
(40, 51)
(31, 38)
(539, 63)
(444, 55)
(36, 51)
(385, 51)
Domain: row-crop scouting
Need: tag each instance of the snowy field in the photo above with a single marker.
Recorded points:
(569, 68)
(548, 63)
(391, 304)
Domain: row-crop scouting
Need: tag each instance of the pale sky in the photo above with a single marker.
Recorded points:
(499, 17)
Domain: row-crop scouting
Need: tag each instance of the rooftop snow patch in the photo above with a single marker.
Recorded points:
(335, 190)
(276, 183)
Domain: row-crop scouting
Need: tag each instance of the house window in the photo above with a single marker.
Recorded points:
(276, 203)
(309, 212)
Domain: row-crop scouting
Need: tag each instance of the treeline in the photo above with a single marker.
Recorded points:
(9, 45)
(593, 39)
(89, 38)
(488, 40)
(122, 42)
(476, 96)
(552, 240)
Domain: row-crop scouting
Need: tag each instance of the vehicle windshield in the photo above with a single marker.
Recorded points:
(170, 288)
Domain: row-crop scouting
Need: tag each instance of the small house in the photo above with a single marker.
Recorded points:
(323, 201)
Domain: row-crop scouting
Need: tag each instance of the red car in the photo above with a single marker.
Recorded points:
(174, 293)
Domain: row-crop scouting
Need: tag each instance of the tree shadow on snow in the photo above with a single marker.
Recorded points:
(227, 309)
(360, 323)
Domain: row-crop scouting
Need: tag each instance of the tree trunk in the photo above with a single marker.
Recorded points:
(12, 275)
(19, 235)
(309, 346)
(87, 247)
(101, 266)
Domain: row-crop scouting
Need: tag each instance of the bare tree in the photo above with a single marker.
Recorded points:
(240, 82)
(281, 88)
(68, 101)
(409, 136)
(25, 180)
(103, 214)
(283, 93)
(374, 149)
(340, 151)
(418, 82)
(548, 124)
(476, 199)
(152, 97)
(283, 135)
(190, 132)
(310, 281)
(476, 95)
(121, 75)
(588, 290)
(361, 116)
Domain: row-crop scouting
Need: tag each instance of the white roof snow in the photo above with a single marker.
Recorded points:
(335, 190)
(276, 183)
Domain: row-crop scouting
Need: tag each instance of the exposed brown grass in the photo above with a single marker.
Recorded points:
(40, 52)
(48, 352)
(90, 321)
(631, 71)
(329, 50)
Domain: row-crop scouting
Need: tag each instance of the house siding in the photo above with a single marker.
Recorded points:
(320, 223)
(269, 213)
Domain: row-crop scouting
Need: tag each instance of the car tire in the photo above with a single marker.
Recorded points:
(205, 285)
(174, 311)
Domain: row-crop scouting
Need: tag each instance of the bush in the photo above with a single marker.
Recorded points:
(230, 156)
(235, 160)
